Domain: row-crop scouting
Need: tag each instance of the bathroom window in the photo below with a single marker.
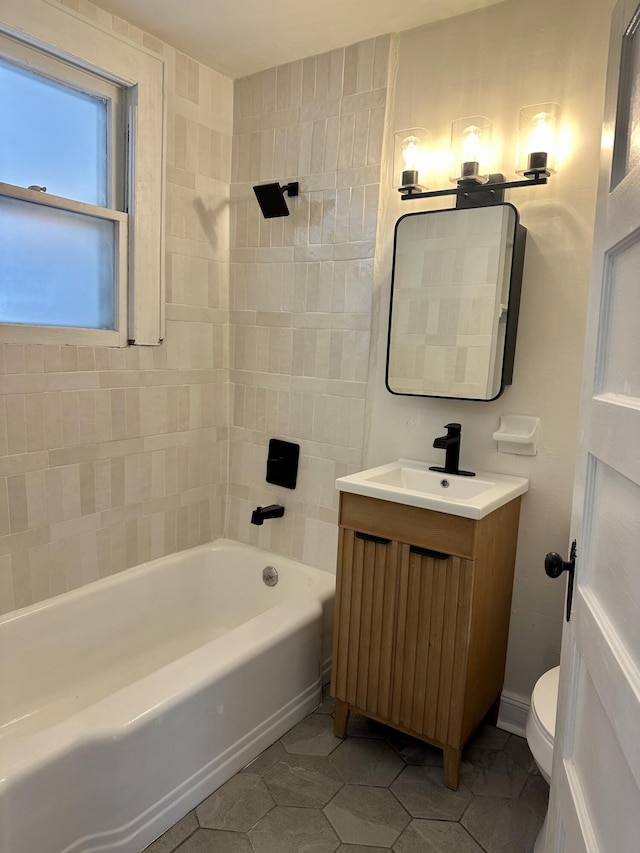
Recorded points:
(70, 147)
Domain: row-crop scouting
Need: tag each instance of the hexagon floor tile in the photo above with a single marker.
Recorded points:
(366, 815)
(306, 781)
(502, 824)
(536, 795)
(414, 751)
(176, 835)
(436, 836)
(422, 792)
(361, 726)
(217, 841)
(290, 830)
(266, 759)
(518, 751)
(490, 773)
(377, 791)
(489, 737)
(361, 761)
(237, 805)
(313, 736)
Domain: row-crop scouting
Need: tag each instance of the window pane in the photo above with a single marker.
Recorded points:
(57, 268)
(633, 130)
(56, 136)
(626, 146)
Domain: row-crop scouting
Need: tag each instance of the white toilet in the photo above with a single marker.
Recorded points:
(541, 729)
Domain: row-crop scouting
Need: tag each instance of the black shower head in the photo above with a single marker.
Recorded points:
(271, 198)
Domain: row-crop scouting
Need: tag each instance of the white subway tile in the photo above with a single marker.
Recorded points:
(309, 80)
(350, 73)
(346, 141)
(365, 51)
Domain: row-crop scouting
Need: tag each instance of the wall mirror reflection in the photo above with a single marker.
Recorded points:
(455, 296)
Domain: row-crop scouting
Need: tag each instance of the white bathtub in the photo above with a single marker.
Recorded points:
(125, 703)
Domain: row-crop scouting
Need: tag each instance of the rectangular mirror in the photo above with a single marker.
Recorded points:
(455, 296)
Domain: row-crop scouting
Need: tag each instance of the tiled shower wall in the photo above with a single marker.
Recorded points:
(109, 457)
(301, 287)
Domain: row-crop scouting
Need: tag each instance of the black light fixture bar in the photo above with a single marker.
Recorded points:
(407, 194)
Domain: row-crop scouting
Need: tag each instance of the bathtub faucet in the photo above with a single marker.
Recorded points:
(272, 511)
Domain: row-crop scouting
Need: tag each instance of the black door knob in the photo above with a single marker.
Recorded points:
(554, 566)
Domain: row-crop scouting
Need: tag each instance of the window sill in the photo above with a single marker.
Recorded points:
(19, 333)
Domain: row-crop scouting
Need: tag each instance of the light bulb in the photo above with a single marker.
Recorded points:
(471, 139)
(411, 157)
(470, 142)
(470, 149)
(410, 149)
(541, 139)
(411, 152)
(537, 140)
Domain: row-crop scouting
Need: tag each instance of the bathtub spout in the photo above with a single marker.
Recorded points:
(272, 511)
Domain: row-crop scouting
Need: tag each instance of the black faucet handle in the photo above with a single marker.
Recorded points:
(453, 428)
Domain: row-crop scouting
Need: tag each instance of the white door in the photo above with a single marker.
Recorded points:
(595, 791)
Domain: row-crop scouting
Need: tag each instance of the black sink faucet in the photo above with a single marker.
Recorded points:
(450, 443)
(272, 511)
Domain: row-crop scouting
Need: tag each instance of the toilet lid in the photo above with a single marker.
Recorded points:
(544, 700)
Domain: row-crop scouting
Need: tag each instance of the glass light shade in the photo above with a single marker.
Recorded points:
(537, 140)
(471, 149)
(410, 157)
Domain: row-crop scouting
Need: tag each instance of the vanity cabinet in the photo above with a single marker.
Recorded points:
(421, 619)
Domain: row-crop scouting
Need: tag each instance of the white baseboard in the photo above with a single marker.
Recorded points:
(513, 715)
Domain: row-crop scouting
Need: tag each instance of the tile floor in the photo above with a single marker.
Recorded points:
(376, 791)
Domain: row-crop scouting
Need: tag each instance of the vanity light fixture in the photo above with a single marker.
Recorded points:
(537, 140)
(475, 184)
(410, 158)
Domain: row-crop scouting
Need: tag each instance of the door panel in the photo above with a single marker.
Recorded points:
(626, 154)
(613, 545)
(433, 619)
(610, 795)
(618, 362)
(364, 630)
(595, 789)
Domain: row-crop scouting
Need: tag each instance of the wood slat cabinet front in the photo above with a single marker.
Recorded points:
(421, 619)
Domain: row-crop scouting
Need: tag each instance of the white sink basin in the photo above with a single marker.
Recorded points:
(410, 482)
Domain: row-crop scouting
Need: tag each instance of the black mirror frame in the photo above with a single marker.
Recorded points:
(515, 290)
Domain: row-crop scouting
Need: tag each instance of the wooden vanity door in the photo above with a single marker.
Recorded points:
(364, 630)
(434, 607)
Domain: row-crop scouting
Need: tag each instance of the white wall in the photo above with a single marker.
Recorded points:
(493, 62)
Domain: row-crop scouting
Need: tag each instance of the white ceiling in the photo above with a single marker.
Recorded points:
(242, 37)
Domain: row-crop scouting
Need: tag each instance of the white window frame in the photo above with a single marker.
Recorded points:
(69, 37)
